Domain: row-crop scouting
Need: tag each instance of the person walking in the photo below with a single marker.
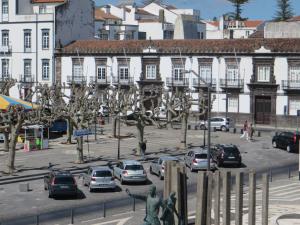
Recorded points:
(245, 130)
(251, 132)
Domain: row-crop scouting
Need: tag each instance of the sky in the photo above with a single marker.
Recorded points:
(255, 9)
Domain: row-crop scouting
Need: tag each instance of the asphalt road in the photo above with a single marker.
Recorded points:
(258, 155)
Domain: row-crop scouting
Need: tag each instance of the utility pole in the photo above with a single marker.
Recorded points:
(119, 118)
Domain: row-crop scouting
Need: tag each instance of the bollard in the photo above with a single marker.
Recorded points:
(37, 219)
(104, 210)
(289, 172)
(271, 175)
(189, 127)
(258, 134)
(242, 131)
(72, 216)
(214, 129)
(133, 208)
(234, 130)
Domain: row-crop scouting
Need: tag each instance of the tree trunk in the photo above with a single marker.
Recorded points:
(140, 135)
(80, 150)
(6, 141)
(184, 123)
(114, 126)
(69, 131)
(12, 151)
(169, 118)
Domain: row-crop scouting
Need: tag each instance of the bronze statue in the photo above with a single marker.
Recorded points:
(169, 210)
(153, 203)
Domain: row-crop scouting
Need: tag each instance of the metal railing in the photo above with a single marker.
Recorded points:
(5, 77)
(27, 78)
(96, 80)
(128, 81)
(76, 79)
(198, 83)
(231, 83)
(290, 84)
(5, 49)
(181, 82)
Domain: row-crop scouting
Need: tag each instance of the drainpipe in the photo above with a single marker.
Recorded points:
(36, 48)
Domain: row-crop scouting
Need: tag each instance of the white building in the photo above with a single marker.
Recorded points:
(31, 30)
(260, 78)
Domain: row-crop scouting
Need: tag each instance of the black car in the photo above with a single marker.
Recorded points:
(227, 155)
(286, 140)
(60, 183)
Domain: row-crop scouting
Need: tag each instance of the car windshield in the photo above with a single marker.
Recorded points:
(173, 160)
(64, 180)
(231, 150)
(134, 167)
(104, 173)
(201, 156)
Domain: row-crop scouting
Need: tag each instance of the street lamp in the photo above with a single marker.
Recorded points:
(209, 87)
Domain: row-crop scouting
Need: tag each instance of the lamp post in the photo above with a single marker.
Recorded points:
(209, 87)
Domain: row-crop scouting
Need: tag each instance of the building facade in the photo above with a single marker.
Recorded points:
(253, 79)
(31, 30)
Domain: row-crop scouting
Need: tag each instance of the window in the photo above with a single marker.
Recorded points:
(5, 38)
(27, 40)
(5, 68)
(205, 72)
(150, 71)
(27, 70)
(42, 9)
(45, 69)
(263, 73)
(103, 35)
(77, 71)
(232, 104)
(232, 72)
(4, 6)
(247, 33)
(294, 106)
(123, 73)
(45, 38)
(101, 72)
(294, 73)
(168, 34)
(178, 72)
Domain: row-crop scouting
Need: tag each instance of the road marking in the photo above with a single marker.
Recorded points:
(289, 192)
(119, 221)
(124, 213)
(282, 186)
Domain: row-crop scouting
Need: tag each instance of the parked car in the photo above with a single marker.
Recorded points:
(130, 171)
(227, 155)
(196, 159)
(286, 140)
(60, 183)
(158, 165)
(99, 178)
(220, 123)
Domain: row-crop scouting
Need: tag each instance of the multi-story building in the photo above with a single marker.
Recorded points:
(31, 30)
(253, 79)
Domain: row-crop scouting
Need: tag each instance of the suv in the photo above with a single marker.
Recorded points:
(220, 123)
(99, 178)
(130, 171)
(158, 165)
(227, 154)
(196, 159)
(286, 140)
(60, 183)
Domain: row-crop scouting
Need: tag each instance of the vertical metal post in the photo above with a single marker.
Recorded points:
(271, 175)
(209, 128)
(133, 207)
(95, 127)
(289, 172)
(104, 209)
(72, 216)
(119, 118)
(204, 137)
(265, 199)
(37, 219)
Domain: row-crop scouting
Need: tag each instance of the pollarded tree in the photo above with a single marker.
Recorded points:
(284, 10)
(238, 8)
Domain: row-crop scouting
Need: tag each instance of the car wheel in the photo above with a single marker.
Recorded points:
(274, 144)
(121, 180)
(202, 127)
(151, 172)
(45, 187)
(50, 195)
(160, 176)
(223, 128)
(288, 148)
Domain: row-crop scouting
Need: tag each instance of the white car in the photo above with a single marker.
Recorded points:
(130, 171)
(220, 123)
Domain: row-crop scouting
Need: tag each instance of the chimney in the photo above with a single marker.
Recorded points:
(107, 9)
(161, 16)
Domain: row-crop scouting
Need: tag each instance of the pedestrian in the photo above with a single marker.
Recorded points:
(251, 131)
(245, 130)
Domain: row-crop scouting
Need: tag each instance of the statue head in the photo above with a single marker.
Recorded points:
(152, 190)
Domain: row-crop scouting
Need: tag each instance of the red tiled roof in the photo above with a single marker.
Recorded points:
(47, 1)
(257, 34)
(294, 19)
(143, 12)
(252, 23)
(214, 23)
(101, 15)
(223, 46)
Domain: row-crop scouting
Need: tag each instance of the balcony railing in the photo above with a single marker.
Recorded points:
(76, 79)
(5, 77)
(27, 78)
(172, 82)
(5, 49)
(232, 83)
(291, 84)
(95, 80)
(127, 82)
(200, 84)
(168, 26)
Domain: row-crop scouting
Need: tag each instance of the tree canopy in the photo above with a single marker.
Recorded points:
(284, 10)
(238, 8)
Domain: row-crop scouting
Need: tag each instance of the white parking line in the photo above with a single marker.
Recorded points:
(119, 221)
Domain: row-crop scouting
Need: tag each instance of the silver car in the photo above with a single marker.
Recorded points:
(158, 165)
(220, 123)
(130, 171)
(196, 159)
(99, 178)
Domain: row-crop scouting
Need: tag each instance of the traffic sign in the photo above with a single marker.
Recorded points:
(81, 133)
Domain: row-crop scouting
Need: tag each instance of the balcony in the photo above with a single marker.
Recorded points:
(200, 84)
(123, 82)
(5, 49)
(231, 83)
(27, 79)
(290, 85)
(168, 26)
(76, 79)
(4, 78)
(95, 80)
(172, 82)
